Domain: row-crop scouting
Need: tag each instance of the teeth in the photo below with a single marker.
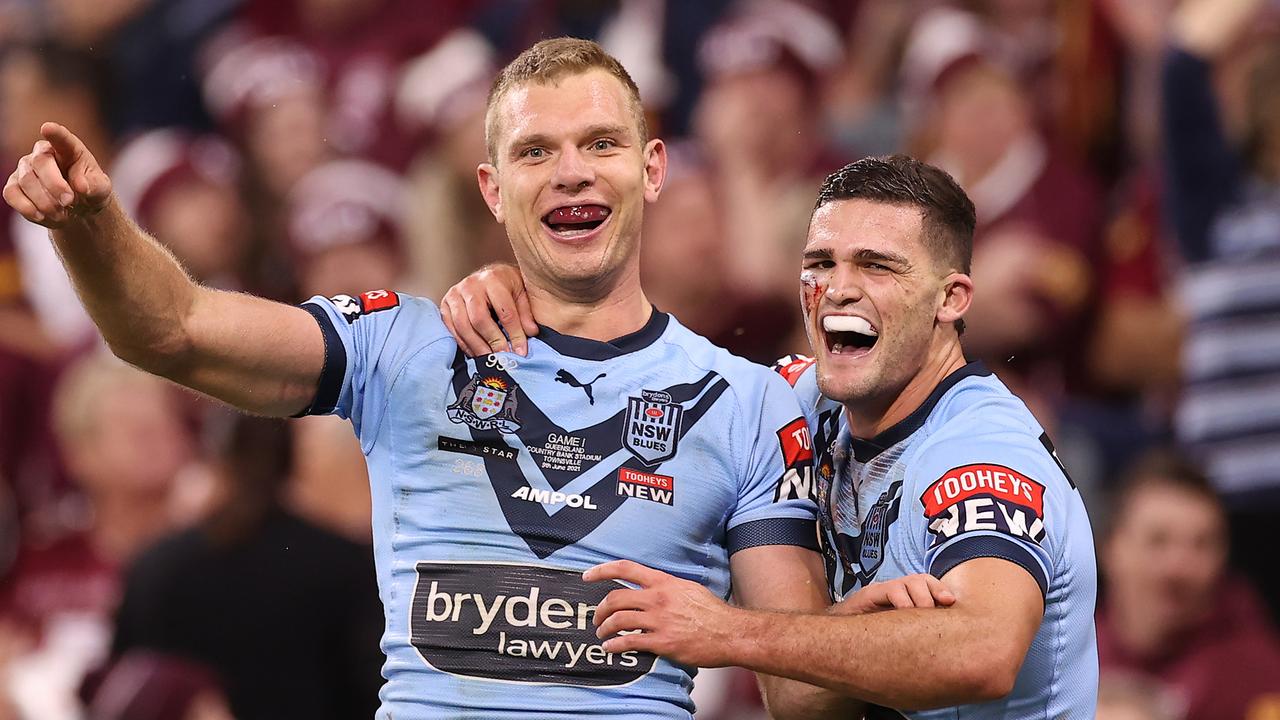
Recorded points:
(848, 323)
(836, 348)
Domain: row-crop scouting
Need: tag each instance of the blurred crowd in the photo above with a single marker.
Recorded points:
(163, 558)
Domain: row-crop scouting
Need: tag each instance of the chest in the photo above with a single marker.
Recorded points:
(862, 510)
(590, 456)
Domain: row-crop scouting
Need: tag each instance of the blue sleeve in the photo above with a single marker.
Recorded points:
(365, 337)
(998, 495)
(1202, 172)
(775, 496)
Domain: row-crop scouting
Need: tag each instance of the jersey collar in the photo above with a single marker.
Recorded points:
(866, 450)
(586, 349)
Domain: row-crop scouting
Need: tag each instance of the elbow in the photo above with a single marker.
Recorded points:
(987, 678)
(166, 356)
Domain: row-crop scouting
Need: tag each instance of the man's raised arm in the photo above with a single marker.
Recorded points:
(260, 356)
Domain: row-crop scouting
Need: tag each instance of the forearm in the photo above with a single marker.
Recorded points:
(251, 353)
(132, 287)
(906, 659)
(788, 699)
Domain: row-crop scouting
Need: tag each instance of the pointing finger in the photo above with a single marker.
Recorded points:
(626, 570)
(67, 148)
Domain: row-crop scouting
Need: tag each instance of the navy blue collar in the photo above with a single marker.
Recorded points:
(586, 349)
(866, 450)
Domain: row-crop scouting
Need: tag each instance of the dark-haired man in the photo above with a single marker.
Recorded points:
(924, 463)
(495, 481)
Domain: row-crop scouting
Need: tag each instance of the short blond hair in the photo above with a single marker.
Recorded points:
(547, 62)
(78, 396)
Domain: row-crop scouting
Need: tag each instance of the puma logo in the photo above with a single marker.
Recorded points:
(564, 376)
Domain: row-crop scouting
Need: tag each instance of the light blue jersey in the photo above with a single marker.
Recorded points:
(497, 481)
(969, 474)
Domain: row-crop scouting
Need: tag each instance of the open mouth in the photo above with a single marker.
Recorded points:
(849, 335)
(574, 221)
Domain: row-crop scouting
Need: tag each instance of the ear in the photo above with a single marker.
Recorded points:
(487, 177)
(655, 169)
(957, 296)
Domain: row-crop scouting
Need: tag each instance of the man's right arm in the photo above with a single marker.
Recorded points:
(257, 355)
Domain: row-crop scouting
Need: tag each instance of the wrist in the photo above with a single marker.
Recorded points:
(744, 632)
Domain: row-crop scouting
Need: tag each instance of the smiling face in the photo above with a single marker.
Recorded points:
(569, 179)
(877, 302)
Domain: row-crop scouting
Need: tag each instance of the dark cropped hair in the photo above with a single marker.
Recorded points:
(949, 217)
(1165, 468)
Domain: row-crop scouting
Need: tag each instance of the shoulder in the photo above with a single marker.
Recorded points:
(982, 439)
(376, 304)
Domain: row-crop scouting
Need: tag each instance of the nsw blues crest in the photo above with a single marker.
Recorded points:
(652, 426)
(486, 403)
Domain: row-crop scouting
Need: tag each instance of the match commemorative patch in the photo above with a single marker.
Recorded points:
(984, 496)
(792, 367)
(353, 308)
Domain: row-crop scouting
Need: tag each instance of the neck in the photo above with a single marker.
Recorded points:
(123, 524)
(866, 420)
(621, 310)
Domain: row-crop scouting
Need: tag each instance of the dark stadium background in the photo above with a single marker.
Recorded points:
(160, 555)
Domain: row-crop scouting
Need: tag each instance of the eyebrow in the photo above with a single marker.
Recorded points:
(864, 255)
(868, 255)
(542, 139)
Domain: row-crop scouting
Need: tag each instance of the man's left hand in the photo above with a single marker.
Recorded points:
(677, 619)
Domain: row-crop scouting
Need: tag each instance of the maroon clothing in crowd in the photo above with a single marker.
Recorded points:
(66, 578)
(1224, 669)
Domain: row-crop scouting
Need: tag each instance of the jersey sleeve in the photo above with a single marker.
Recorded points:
(365, 336)
(999, 496)
(775, 495)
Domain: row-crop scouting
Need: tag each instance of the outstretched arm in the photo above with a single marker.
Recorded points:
(257, 355)
(906, 659)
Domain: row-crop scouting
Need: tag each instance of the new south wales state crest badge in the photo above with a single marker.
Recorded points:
(486, 403)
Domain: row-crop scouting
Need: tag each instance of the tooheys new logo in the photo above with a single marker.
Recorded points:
(521, 623)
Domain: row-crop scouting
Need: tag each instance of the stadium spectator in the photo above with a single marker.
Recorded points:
(449, 230)
(345, 228)
(764, 69)
(1224, 202)
(1039, 222)
(288, 612)
(1171, 612)
(124, 441)
(1122, 697)
(688, 222)
(185, 189)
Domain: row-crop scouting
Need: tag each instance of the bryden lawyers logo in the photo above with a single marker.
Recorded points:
(651, 429)
(486, 403)
(516, 623)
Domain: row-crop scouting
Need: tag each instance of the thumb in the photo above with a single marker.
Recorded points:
(88, 181)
